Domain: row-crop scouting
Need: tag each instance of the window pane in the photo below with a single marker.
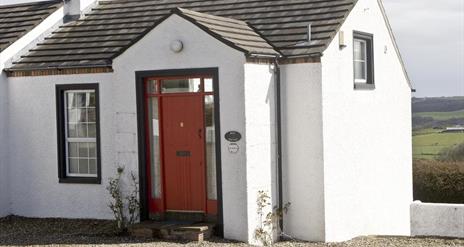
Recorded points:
(81, 115)
(73, 150)
(92, 166)
(92, 150)
(80, 100)
(209, 85)
(71, 100)
(82, 130)
(72, 115)
(92, 99)
(73, 165)
(92, 115)
(210, 148)
(83, 149)
(155, 166)
(360, 70)
(359, 50)
(181, 85)
(72, 130)
(83, 166)
(92, 130)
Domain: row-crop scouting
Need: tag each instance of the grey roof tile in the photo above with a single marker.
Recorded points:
(267, 27)
(18, 19)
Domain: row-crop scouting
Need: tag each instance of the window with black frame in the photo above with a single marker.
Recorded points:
(78, 133)
(363, 60)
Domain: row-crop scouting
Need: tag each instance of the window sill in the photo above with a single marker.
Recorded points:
(80, 180)
(364, 86)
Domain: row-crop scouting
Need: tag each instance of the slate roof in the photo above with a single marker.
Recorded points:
(114, 25)
(18, 19)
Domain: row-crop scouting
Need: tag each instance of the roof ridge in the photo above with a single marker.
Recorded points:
(184, 10)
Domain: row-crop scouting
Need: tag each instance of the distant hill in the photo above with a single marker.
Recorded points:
(431, 116)
(442, 104)
(437, 112)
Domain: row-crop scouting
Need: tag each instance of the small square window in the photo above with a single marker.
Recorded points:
(78, 133)
(363, 60)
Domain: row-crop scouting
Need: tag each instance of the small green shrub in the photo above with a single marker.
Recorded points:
(439, 181)
(268, 221)
(119, 202)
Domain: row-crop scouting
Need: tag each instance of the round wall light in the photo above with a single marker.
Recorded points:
(177, 46)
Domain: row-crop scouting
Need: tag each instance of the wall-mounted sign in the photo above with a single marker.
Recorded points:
(233, 136)
(233, 148)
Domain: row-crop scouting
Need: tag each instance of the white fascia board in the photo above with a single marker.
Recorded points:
(397, 49)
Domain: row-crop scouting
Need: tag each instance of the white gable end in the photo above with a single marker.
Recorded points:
(367, 135)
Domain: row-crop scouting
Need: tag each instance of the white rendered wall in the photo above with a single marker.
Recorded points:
(367, 136)
(33, 120)
(35, 190)
(4, 201)
(11, 52)
(433, 219)
(260, 116)
(302, 151)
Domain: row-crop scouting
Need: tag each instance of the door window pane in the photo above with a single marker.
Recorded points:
(210, 148)
(155, 166)
(192, 85)
(151, 86)
(209, 85)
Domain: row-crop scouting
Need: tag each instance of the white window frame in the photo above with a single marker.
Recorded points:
(363, 61)
(77, 139)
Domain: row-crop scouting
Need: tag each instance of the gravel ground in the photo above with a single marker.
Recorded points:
(60, 232)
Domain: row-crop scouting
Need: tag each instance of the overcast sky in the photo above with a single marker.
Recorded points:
(430, 34)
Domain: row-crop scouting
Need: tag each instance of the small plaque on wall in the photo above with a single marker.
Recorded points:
(233, 148)
(233, 136)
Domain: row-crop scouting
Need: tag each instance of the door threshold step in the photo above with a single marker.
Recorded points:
(169, 230)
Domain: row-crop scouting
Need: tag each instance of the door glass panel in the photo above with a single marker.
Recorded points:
(209, 85)
(210, 148)
(192, 85)
(155, 164)
(151, 86)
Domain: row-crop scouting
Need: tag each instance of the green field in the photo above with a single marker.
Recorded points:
(441, 115)
(427, 143)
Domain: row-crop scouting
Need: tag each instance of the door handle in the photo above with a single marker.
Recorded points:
(200, 131)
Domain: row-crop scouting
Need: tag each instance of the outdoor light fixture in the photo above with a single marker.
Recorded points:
(177, 46)
(341, 39)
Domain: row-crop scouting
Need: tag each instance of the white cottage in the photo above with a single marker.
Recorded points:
(208, 102)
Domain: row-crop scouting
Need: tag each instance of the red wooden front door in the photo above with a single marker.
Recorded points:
(184, 153)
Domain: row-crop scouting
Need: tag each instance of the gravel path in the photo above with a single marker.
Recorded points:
(60, 232)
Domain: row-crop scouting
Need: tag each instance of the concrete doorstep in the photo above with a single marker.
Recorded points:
(173, 230)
